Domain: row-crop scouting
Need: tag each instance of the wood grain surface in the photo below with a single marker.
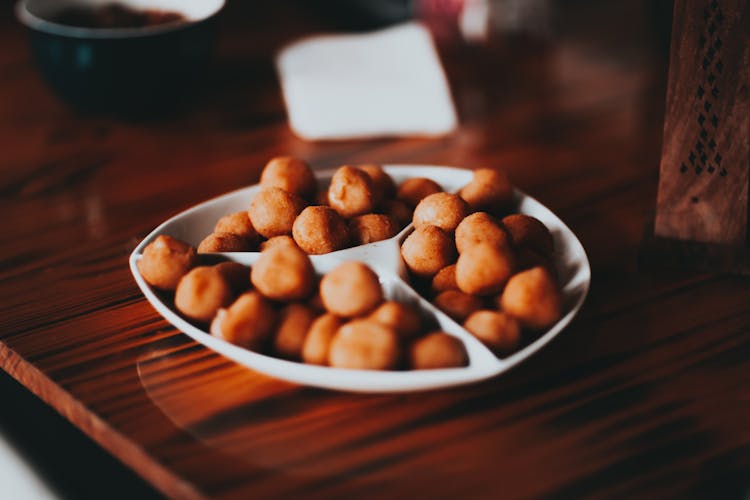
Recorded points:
(646, 394)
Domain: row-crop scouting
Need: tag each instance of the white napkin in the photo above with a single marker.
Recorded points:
(19, 479)
(383, 83)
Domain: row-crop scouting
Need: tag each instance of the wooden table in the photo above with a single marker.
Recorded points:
(647, 393)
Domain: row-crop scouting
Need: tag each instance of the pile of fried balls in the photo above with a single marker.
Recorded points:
(341, 320)
(494, 274)
(489, 269)
(361, 205)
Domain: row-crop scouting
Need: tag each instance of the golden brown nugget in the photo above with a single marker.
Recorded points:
(351, 289)
(236, 274)
(224, 242)
(237, 223)
(398, 211)
(427, 250)
(489, 189)
(364, 345)
(351, 192)
(284, 240)
(437, 350)
(319, 337)
(529, 232)
(201, 292)
(404, 320)
(443, 210)
(500, 332)
(273, 211)
(414, 190)
(248, 322)
(291, 331)
(370, 228)
(480, 227)
(532, 297)
(165, 261)
(382, 184)
(290, 174)
(483, 269)
(319, 230)
(283, 273)
(445, 279)
(457, 304)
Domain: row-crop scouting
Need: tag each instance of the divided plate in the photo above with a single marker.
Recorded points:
(384, 257)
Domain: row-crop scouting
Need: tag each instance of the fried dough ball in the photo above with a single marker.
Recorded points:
(404, 320)
(165, 261)
(398, 211)
(382, 184)
(319, 230)
(351, 289)
(480, 227)
(489, 189)
(457, 304)
(483, 269)
(443, 210)
(237, 223)
(294, 322)
(533, 298)
(290, 174)
(273, 211)
(283, 273)
(369, 228)
(236, 274)
(427, 250)
(498, 331)
(414, 190)
(364, 345)
(445, 279)
(201, 292)
(282, 241)
(529, 232)
(318, 340)
(224, 242)
(437, 350)
(248, 322)
(351, 192)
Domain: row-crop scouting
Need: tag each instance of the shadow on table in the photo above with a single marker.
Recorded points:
(68, 462)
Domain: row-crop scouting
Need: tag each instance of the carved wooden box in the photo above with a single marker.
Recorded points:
(703, 184)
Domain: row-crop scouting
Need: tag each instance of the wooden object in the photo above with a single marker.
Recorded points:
(703, 186)
(644, 395)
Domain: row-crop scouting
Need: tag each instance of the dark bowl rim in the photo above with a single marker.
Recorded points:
(36, 23)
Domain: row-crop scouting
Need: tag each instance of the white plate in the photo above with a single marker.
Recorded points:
(384, 257)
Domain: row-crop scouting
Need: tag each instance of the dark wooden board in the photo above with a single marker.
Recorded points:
(645, 394)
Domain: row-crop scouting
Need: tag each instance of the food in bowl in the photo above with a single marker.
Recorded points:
(114, 15)
(111, 61)
(341, 319)
(361, 205)
(567, 265)
(491, 271)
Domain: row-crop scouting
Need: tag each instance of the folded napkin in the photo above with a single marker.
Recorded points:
(382, 83)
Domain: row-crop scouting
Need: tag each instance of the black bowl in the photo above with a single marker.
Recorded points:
(136, 71)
